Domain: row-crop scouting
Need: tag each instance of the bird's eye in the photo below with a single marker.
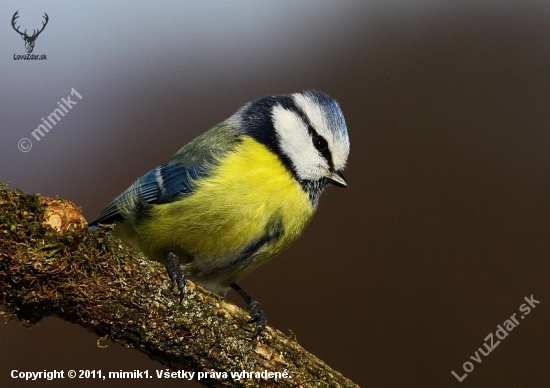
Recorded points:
(320, 143)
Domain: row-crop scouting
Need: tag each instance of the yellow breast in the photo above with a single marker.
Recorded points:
(229, 209)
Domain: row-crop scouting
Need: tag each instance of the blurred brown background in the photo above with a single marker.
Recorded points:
(443, 231)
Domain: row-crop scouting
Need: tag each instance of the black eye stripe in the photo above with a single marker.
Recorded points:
(319, 142)
(322, 146)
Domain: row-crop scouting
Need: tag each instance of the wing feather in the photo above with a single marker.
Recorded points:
(174, 179)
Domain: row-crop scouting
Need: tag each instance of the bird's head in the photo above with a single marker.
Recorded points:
(307, 131)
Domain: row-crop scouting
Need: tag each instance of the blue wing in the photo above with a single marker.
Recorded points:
(164, 184)
(175, 178)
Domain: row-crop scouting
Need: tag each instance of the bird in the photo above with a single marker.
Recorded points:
(237, 195)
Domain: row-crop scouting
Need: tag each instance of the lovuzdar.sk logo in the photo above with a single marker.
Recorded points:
(29, 40)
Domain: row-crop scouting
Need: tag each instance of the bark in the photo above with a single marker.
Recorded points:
(52, 265)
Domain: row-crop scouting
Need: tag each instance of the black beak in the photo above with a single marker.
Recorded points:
(337, 179)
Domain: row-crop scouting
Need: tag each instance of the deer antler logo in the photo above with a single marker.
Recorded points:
(29, 40)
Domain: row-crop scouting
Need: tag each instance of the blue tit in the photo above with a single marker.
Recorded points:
(237, 195)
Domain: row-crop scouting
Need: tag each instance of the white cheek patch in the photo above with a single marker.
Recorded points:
(296, 143)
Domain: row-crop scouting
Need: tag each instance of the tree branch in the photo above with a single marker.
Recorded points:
(52, 265)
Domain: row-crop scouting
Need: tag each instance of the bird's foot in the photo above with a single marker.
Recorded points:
(255, 309)
(175, 273)
(257, 315)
